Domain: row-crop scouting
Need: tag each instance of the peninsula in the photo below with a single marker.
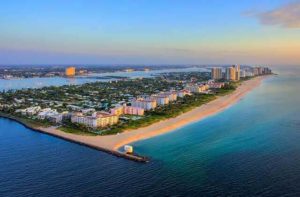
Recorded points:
(146, 117)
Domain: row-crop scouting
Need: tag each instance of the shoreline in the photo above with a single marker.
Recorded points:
(103, 149)
(111, 143)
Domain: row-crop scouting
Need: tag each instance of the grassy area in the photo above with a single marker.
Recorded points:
(227, 89)
(76, 131)
(34, 123)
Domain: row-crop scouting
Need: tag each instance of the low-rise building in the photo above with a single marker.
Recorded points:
(30, 111)
(130, 110)
(195, 88)
(118, 110)
(55, 118)
(50, 114)
(146, 104)
(134, 110)
(172, 95)
(74, 107)
(215, 85)
(183, 93)
(88, 110)
(161, 99)
(98, 119)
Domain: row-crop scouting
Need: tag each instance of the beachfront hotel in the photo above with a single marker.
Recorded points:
(161, 99)
(146, 104)
(127, 110)
(216, 73)
(195, 88)
(183, 93)
(117, 110)
(50, 114)
(215, 85)
(70, 71)
(96, 120)
(172, 95)
(134, 110)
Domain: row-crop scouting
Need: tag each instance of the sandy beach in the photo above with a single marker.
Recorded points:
(113, 142)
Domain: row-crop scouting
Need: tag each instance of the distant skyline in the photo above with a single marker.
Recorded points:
(150, 32)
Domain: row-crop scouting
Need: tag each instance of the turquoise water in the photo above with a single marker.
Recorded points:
(252, 148)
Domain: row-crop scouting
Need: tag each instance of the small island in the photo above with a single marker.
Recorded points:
(108, 115)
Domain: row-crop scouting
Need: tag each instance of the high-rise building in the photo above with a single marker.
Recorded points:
(70, 71)
(266, 71)
(242, 73)
(230, 74)
(260, 70)
(237, 72)
(255, 71)
(216, 73)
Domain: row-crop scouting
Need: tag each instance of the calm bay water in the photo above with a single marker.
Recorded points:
(252, 148)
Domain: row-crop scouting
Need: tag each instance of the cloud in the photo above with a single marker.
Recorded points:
(287, 16)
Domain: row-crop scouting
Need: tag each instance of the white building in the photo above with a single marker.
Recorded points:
(146, 104)
(98, 119)
(89, 110)
(134, 110)
(215, 85)
(172, 95)
(242, 73)
(161, 99)
(195, 88)
(183, 93)
(51, 115)
(30, 111)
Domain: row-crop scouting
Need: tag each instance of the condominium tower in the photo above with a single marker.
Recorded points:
(216, 73)
(230, 74)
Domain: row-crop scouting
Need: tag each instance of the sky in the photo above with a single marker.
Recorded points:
(150, 32)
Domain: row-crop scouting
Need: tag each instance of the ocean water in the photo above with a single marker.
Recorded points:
(250, 149)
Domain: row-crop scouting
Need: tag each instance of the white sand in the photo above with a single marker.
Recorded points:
(113, 142)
